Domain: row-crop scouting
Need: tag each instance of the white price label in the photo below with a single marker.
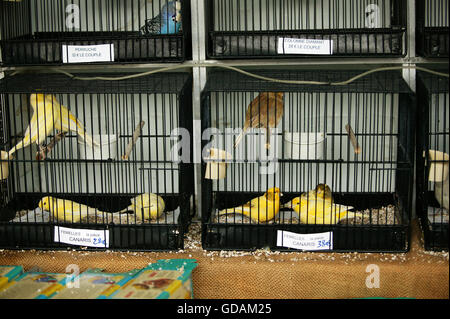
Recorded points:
(82, 237)
(316, 241)
(305, 46)
(88, 53)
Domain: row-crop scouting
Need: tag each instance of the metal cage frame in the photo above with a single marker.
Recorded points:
(432, 37)
(429, 89)
(235, 234)
(390, 41)
(21, 45)
(127, 234)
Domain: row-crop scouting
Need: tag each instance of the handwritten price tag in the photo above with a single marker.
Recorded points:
(316, 241)
(82, 237)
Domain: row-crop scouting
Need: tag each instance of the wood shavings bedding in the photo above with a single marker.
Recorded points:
(39, 216)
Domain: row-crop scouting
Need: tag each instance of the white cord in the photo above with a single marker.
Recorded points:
(176, 67)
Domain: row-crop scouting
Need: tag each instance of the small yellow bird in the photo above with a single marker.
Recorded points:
(259, 209)
(65, 210)
(317, 207)
(322, 191)
(146, 206)
(322, 212)
(49, 115)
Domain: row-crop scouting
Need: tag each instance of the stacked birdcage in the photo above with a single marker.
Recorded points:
(432, 33)
(433, 151)
(98, 164)
(298, 28)
(55, 32)
(309, 167)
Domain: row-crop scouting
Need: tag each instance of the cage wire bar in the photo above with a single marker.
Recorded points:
(432, 32)
(43, 32)
(136, 126)
(259, 28)
(433, 138)
(357, 139)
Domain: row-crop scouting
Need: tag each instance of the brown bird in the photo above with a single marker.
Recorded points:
(265, 111)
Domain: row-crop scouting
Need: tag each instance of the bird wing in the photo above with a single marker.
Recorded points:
(256, 115)
(68, 122)
(265, 110)
(311, 211)
(153, 201)
(43, 126)
(152, 26)
(169, 22)
(72, 211)
(149, 204)
(322, 211)
(256, 202)
(242, 209)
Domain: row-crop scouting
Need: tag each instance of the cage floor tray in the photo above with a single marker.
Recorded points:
(435, 42)
(437, 215)
(386, 215)
(48, 48)
(39, 216)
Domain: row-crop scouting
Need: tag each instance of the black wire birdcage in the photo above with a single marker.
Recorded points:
(342, 156)
(291, 28)
(433, 151)
(55, 32)
(432, 33)
(120, 176)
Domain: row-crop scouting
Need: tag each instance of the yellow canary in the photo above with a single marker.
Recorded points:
(259, 209)
(317, 207)
(146, 206)
(322, 191)
(49, 115)
(322, 212)
(65, 210)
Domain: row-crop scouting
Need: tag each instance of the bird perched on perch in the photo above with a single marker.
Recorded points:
(317, 207)
(49, 115)
(259, 209)
(65, 210)
(168, 21)
(265, 111)
(146, 206)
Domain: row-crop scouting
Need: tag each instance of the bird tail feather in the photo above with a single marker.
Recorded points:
(238, 139)
(235, 210)
(23, 143)
(80, 130)
(88, 139)
(124, 210)
(342, 208)
(287, 205)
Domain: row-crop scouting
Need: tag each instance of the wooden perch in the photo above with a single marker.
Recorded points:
(44, 150)
(136, 133)
(352, 137)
